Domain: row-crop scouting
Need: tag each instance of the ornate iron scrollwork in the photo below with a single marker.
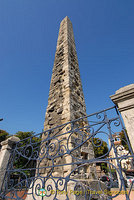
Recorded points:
(45, 161)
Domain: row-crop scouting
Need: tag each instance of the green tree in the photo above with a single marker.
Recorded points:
(100, 148)
(28, 145)
(3, 135)
(23, 135)
(124, 140)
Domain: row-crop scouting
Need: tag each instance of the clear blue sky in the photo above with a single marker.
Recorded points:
(104, 36)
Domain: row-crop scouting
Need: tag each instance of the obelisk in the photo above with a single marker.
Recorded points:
(66, 99)
(65, 103)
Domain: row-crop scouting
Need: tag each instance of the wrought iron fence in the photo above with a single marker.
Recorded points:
(62, 162)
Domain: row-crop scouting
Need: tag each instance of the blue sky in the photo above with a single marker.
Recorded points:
(104, 37)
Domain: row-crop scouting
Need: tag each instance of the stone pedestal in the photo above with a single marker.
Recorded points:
(5, 152)
(124, 99)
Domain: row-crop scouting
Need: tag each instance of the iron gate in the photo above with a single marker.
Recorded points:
(72, 161)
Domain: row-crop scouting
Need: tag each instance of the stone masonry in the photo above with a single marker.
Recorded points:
(124, 99)
(5, 153)
(66, 100)
(65, 103)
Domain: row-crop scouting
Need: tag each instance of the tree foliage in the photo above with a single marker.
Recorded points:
(124, 140)
(30, 143)
(100, 148)
(3, 135)
(23, 135)
(26, 159)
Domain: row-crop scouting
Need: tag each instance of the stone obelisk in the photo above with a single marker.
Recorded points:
(66, 99)
(65, 103)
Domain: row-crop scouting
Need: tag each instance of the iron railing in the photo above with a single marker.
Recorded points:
(60, 163)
